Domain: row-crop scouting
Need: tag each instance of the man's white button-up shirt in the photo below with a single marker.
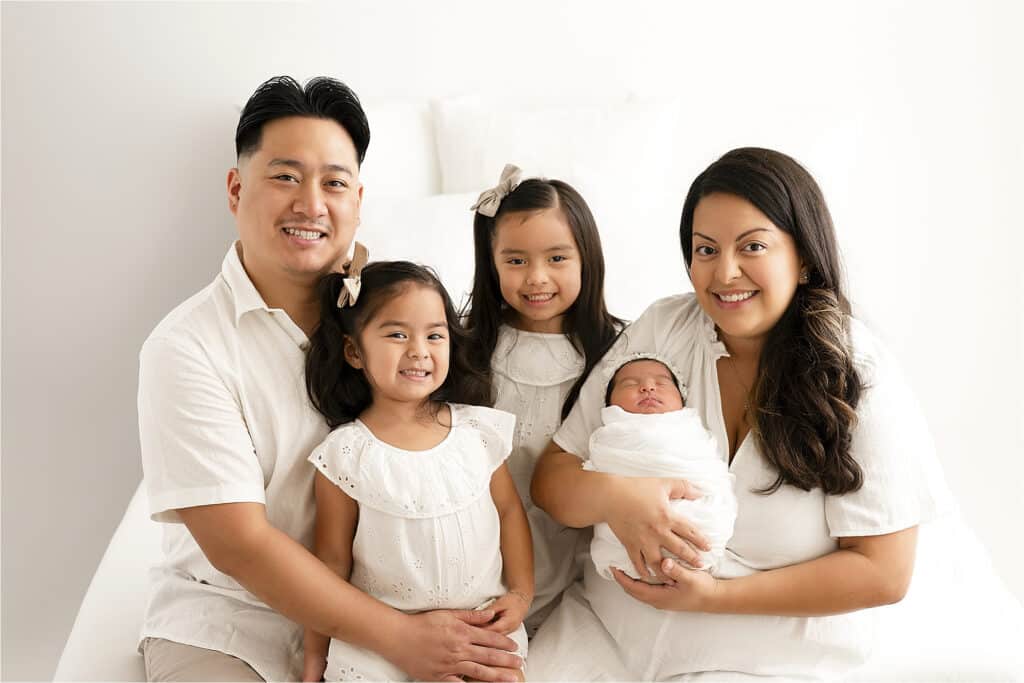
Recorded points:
(224, 418)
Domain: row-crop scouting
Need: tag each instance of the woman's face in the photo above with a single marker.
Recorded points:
(744, 269)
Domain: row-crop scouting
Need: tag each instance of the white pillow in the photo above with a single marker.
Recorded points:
(621, 155)
(629, 142)
(401, 160)
(642, 261)
(434, 231)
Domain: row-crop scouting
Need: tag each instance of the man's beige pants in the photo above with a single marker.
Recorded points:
(170, 661)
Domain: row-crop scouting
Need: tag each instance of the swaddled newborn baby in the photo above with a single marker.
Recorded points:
(647, 432)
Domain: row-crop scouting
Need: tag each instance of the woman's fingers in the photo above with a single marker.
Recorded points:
(476, 672)
(637, 559)
(681, 549)
(642, 518)
(638, 589)
(680, 488)
(683, 529)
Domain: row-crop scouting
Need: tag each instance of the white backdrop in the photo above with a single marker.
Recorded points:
(118, 125)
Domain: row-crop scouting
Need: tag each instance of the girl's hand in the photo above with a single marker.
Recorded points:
(509, 612)
(313, 668)
(689, 590)
(640, 515)
(453, 645)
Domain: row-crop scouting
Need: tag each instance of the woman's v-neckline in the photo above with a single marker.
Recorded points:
(730, 458)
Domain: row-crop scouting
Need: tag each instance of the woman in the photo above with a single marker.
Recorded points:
(834, 468)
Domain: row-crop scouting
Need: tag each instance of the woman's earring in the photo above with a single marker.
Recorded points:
(804, 277)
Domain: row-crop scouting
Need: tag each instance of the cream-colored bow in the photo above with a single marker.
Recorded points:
(351, 285)
(489, 201)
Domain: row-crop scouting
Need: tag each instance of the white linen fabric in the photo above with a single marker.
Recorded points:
(428, 535)
(224, 418)
(903, 486)
(533, 373)
(673, 444)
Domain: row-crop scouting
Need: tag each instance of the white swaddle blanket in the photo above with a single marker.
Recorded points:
(675, 445)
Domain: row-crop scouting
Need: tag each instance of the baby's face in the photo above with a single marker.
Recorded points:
(645, 386)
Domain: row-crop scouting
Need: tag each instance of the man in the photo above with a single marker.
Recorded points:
(226, 426)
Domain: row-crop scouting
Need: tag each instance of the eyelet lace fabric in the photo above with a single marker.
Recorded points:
(428, 534)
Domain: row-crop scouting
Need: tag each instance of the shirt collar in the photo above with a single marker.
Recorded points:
(243, 291)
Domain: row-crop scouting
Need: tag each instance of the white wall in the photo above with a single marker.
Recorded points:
(118, 126)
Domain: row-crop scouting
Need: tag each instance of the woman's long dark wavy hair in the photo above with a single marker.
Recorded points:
(341, 392)
(587, 324)
(804, 400)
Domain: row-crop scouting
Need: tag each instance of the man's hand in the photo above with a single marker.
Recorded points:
(446, 645)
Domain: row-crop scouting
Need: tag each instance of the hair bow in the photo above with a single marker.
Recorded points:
(351, 285)
(489, 201)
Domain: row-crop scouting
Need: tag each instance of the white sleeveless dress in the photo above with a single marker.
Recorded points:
(428, 535)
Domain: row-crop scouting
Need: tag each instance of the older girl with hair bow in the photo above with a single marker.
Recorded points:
(538, 323)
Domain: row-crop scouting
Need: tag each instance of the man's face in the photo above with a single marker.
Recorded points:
(296, 200)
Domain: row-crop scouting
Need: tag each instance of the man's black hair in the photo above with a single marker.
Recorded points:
(322, 98)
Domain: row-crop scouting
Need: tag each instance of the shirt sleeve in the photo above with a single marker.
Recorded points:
(903, 481)
(196, 449)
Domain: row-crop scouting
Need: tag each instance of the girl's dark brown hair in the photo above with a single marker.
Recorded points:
(587, 324)
(341, 392)
(803, 403)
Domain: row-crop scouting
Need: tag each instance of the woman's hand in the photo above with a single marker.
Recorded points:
(640, 515)
(687, 590)
(509, 610)
(445, 645)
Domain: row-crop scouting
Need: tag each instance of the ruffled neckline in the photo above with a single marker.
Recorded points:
(535, 358)
(441, 445)
(419, 484)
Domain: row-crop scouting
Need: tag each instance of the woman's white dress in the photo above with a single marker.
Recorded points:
(428, 535)
(903, 486)
(533, 373)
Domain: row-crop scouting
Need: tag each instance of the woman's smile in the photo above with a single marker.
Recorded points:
(733, 299)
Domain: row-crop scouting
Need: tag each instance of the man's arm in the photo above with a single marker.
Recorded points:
(200, 469)
(239, 541)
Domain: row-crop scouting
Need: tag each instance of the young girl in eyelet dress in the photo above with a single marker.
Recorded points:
(538, 323)
(414, 502)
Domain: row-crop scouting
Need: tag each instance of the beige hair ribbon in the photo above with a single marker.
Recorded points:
(351, 285)
(489, 201)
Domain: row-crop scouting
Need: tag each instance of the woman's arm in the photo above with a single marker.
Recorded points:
(516, 554)
(335, 527)
(636, 508)
(866, 571)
